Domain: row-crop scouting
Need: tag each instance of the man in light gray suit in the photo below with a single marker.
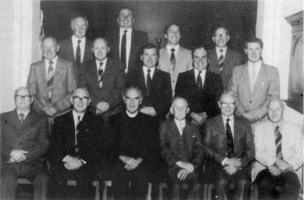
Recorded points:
(173, 58)
(254, 83)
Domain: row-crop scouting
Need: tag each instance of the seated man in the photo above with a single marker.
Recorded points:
(182, 148)
(74, 147)
(229, 149)
(279, 151)
(134, 147)
(24, 142)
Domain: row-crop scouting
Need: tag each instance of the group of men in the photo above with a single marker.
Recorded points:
(118, 108)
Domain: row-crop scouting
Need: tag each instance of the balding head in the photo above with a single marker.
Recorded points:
(23, 99)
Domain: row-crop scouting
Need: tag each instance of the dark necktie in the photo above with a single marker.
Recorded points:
(78, 54)
(229, 138)
(76, 134)
(172, 59)
(50, 78)
(278, 142)
(21, 117)
(221, 60)
(100, 74)
(123, 53)
(199, 80)
(148, 87)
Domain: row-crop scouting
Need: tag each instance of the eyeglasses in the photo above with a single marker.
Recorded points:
(77, 98)
(198, 59)
(25, 97)
(129, 99)
(225, 104)
(220, 35)
(180, 108)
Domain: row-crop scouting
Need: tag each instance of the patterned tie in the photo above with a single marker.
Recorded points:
(21, 117)
(221, 60)
(180, 127)
(199, 80)
(123, 53)
(76, 134)
(78, 54)
(50, 78)
(278, 142)
(230, 145)
(252, 77)
(100, 74)
(148, 87)
(172, 59)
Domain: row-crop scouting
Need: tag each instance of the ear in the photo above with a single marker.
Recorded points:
(246, 51)
(71, 100)
(141, 57)
(228, 38)
(188, 109)
(213, 38)
(219, 104)
(92, 49)
(171, 110)
(58, 47)
(118, 20)
(166, 36)
(108, 49)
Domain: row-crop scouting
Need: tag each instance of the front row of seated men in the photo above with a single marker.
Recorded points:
(78, 144)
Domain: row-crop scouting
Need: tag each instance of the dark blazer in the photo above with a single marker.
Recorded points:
(161, 92)
(66, 52)
(138, 39)
(232, 59)
(172, 150)
(215, 144)
(113, 84)
(205, 100)
(31, 135)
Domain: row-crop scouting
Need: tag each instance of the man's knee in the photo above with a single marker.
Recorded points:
(243, 182)
(42, 180)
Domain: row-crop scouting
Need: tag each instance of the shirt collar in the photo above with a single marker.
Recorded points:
(146, 69)
(169, 48)
(225, 118)
(132, 115)
(75, 115)
(218, 50)
(75, 39)
(103, 65)
(257, 64)
(280, 124)
(129, 30)
(178, 122)
(25, 113)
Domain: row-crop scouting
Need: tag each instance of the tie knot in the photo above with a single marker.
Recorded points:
(172, 50)
(51, 62)
(277, 128)
(22, 115)
(149, 70)
(125, 31)
(79, 41)
(227, 119)
(221, 50)
(101, 63)
(199, 72)
(78, 118)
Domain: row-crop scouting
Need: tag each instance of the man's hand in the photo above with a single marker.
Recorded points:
(72, 163)
(284, 166)
(185, 165)
(131, 162)
(148, 111)
(52, 111)
(198, 118)
(275, 171)
(235, 162)
(102, 107)
(230, 169)
(18, 155)
(251, 117)
(182, 174)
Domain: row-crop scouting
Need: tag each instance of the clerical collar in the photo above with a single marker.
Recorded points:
(132, 115)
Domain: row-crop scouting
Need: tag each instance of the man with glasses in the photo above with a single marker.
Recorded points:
(126, 42)
(24, 142)
(75, 148)
(182, 148)
(222, 59)
(201, 87)
(229, 150)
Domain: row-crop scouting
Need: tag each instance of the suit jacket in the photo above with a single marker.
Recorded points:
(215, 143)
(138, 39)
(63, 85)
(113, 84)
(183, 63)
(204, 100)
(173, 150)
(232, 59)
(267, 85)
(31, 135)
(66, 52)
(265, 148)
(161, 95)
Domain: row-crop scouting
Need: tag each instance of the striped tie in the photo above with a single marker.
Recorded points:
(173, 59)
(221, 60)
(278, 142)
(229, 138)
(100, 74)
(149, 80)
(50, 78)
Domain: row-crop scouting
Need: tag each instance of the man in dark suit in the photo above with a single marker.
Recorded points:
(51, 81)
(126, 42)
(24, 141)
(182, 148)
(135, 144)
(77, 49)
(229, 150)
(74, 147)
(105, 80)
(154, 83)
(222, 59)
(201, 87)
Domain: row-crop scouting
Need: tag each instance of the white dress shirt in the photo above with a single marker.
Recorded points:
(47, 65)
(231, 123)
(25, 114)
(75, 117)
(175, 52)
(128, 44)
(180, 125)
(203, 75)
(218, 53)
(81, 45)
(131, 115)
(256, 67)
(146, 72)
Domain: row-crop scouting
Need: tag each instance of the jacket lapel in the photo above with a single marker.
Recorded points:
(220, 129)
(94, 75)
(213, 57)
(259, 79)
(245, 75)
(166, 57)
(59, 71)
(174, 130)
(71, 51)
(238, 134)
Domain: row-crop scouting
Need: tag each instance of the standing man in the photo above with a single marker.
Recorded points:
(229, 149)
(78, 48)
(279, 155)
(200, 87)
(105, 80)
(126, 42)
(173, 58)
(254, 83)
(222, 59)
(74, 147)
(24, 141)
(182, 148)
(51, 81)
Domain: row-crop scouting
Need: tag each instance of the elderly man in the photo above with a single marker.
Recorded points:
(24, 141)
(173, 58)
(74, 148)
(182, 148)
(126, 42)
(254, 83)
(77, 49)
(279, 155)
(201, 87)
(51, 81)
(229, 149)
(222, 59)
